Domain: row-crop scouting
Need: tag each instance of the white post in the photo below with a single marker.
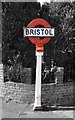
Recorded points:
(37, 103)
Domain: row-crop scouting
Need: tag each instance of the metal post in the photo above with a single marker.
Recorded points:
(37, 103)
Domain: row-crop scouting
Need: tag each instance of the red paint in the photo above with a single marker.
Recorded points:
(39, 43)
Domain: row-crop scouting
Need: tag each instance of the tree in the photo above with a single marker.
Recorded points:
(15, 16)
(17, 49)
(61, 17)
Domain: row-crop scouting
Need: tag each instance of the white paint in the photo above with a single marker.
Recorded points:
(39, 32)
(37, 102)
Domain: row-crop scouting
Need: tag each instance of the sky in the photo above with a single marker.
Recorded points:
(42, 1)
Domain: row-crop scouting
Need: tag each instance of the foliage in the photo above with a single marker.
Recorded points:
(19, 50)
(15, 17)
(61, 17)
(14, 73)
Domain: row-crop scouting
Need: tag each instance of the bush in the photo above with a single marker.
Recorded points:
(13, 73)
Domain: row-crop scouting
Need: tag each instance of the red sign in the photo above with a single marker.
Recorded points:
(39, 43)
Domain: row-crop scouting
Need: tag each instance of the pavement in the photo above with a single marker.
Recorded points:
(50, 114)
(15, 110)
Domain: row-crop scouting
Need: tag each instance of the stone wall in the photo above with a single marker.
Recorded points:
(1, 79)
(58, 93)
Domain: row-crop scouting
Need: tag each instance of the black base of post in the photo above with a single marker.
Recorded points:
(39, 108)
